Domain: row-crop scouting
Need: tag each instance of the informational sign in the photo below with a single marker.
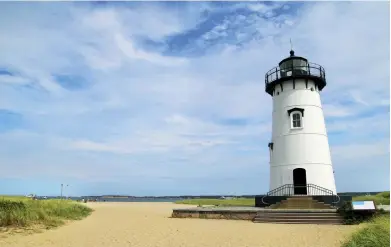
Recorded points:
(363, 205)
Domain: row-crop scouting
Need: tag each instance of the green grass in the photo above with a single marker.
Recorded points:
(221, 202)
(382, 198)
(21, 212)
(375, 234)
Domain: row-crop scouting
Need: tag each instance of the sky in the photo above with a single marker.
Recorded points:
(168, 98)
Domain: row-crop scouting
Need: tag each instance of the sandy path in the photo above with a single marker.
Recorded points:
(149, 225)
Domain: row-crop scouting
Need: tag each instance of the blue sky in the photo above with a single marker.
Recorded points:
(159, 98)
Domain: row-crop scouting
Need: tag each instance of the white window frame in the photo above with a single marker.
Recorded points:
(301, 119)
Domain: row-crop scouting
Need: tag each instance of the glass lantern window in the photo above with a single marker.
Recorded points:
(294, 63)
(300, 64)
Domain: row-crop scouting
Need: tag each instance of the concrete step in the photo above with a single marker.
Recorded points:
(302, 207)
(301, 198)
(329, 210)
(298, 220)
(299, 214)
(293, 216)
(273, 206)
(289, 222)
(298, 217)
(300, 202)
(307, 220)
(305, 204)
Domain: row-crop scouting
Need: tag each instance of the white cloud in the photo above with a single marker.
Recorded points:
(377, 124)
(337, 110)
(15, 80)
(128, 49)
(355, 152)
(177, 119)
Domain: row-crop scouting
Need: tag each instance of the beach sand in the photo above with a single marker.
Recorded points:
(149, 225)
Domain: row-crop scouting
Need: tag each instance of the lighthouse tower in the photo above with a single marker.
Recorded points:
(299, 148)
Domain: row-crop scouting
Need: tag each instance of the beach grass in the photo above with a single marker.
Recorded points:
(22, 212)
(249, 202)
(382, 198)
(376, 233)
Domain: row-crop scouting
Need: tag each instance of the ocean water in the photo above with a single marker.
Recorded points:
(129, 199)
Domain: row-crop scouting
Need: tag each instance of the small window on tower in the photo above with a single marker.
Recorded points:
(296, 120)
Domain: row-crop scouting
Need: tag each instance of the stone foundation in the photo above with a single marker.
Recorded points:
(207, 213)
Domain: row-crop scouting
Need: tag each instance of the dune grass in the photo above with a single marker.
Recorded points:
(375, 234)
(21, 212)
(250, 202)
(382, 198)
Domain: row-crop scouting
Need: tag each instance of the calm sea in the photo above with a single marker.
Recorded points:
(130, 199)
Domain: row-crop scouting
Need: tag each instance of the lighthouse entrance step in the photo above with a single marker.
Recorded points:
(311, 199)
(301, 202)
(299, 216)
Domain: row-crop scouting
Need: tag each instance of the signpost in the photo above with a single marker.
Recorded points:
(363, 205)
(62, 189)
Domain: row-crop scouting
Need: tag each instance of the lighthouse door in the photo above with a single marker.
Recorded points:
(300, 181)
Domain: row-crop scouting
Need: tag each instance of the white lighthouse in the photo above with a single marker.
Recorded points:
(299, 149)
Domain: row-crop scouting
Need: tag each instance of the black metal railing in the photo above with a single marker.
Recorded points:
(311, 69)
(309, 189)
(302, 190)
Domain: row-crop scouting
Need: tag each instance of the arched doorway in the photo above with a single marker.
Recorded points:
(300, 181)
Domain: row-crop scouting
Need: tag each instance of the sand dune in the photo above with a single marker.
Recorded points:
(149, 225)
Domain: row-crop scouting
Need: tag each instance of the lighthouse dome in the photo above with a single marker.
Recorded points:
(294, 67)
